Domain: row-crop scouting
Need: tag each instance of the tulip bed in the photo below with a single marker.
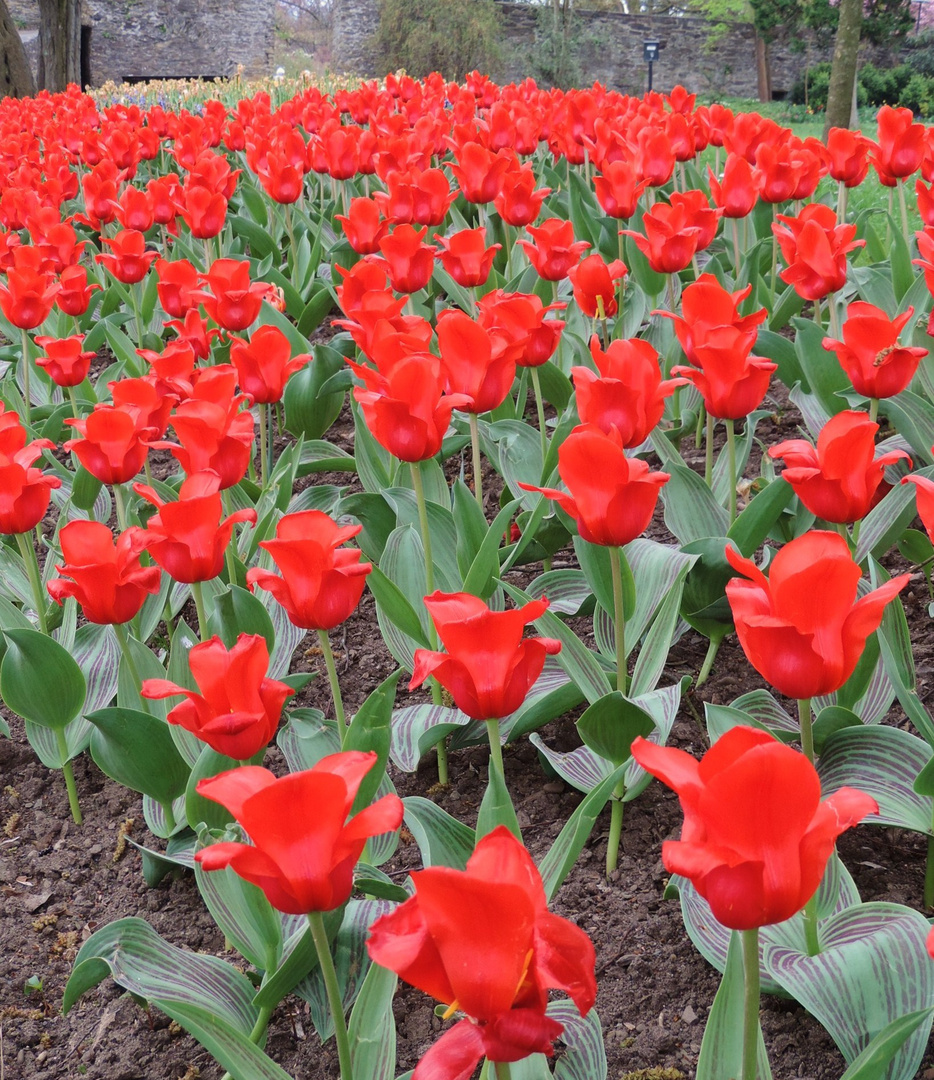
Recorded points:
(608, 379)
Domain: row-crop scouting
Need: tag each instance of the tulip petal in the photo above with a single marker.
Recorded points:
(454, 1056)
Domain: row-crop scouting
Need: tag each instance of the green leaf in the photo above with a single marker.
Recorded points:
(691, 511)
(417, 728)
(820, 367)
(887, 521)
(594, 560)
(912, 416)
(370, 731)
(653, 654)
(752, 526)
(136, 749)
(721, 1052)
(873, 968)
(84, 489)
(40, 680)
(471, 525)
(374, 464)
(236, 611)
(563, 853)
(372, 1028)
(308, 412)
(479, 580)
(442, 839)
(584, 1057)
(874, 1060)
(244, 915)
(610, 725)
(496, 807)
(198, 809)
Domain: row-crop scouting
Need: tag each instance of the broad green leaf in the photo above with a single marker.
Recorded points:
(888, 520)
(913, 417)
(479, 579)
(308, 412)
(721, 1052)
(442, 839)
(471, 525)
(872, 1062)
(594, 560)
(752, 526)
(40, 680)
(653, 654)
(374, 464)
(136, 749)
(820, 367)
(236, 611)
(417, 728)
(246, 918)
(370, 732)
(584, 1057)
(610, 725)
(691, 511)
(873, 968)
(372, 1028)
(306, 737)
(396, 605)
(496, 807)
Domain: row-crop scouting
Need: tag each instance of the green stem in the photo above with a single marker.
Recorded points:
(619, 618)
(496, 748)
(440, 745)
(708, 450)
(841, 202)
(69, 776)
(873, 409)
(699, 427)
(28, 553)
(120, 504)
(735, 246)
(750, 939)
(502, 1070)
(616, 827)
(540, 409)
(804, 722)
(198, 596)
(328, 654)
(320, 938)
(134, 301)
(123, 642)
(262, 446)
(774, 260)
(809, 914)
(731, 460)
(713, 647)
(475, 455)
(902, 207)
(229, 550)
(26, 364)
(74, 403)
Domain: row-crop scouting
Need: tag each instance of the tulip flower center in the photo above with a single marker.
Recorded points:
(883, 355)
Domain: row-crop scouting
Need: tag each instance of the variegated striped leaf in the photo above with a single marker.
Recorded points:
(416, 728)
(442, 839)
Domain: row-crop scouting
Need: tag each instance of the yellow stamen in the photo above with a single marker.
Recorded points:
(450, 1011)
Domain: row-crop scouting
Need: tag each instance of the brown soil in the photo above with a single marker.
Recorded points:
(60, 882)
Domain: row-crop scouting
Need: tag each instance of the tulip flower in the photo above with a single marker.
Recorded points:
(814, 248)
(128, 261)
(304, 849)
(188, 538)
(672, 236)
(25, 491)
(416, 197)
(475, 363)
(74, 294)
(730, 380)
(27, 297)
(234, 301)
(482, 941)
(870, 354)
(520, 319)
(594, 285)
(840, 480)
(618, 189)
(65, 362)
(321, 582)
(802, 627)
(466, 257)
(113, 448)
(849, 156)
(106, 578)
(177, 286)
(363, 225)
(407, 260)
(480, 172)
(735, 194)
(518, 202)
(900, 145)
(238, 708)
(629, 392)
(213, 436)
(756, 836)
(203, 211)
(553, 249)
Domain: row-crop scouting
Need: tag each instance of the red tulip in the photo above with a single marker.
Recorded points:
(238, 709)
(553, 249)
(416, 197)
(74, 294)
(671, 237)
(611, 497)
(177, 286)
(148, 399)
(840, 480)
(234, 301)
(363, 225)
(519, 319)
(482, 941)
(518, 202)
(480, 172)
(213, 436)
(188, 538)
(731, 382)
(815, 247)
(134, 209)
(594, 284)
(203, 211)
(303, 849)
(705, 306)
(66, 364)
(756, 836)
(924, 495)
(24, 491)
(406, 409)
(901, 143)
(802, 627)
(129, 261)
(475, 363)
(876, 364)
(618, 188)
(265, 363)
(113, 448)
(735, 193)
(466, 257)
(488, 667)
(107, 579)
(321, 582)
(849, 156)
(628, 394)
(27, 297)
(409, 262)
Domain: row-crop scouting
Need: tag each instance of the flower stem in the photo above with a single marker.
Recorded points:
(28, 552)
(69, 776)
(902, 207)
(774, 260)
(120, 505)
(540, 409)
(750, 940)
(616, 827)
(74, 403)
(804, 722)
(440, 745)
(731, 460)
(26, 395)
(502, 1070)
(873, 409)
(708, 450)
(123, 642)
(619, 618)
(475, 455)
(320, 938)
(735, 246)
(716, 639)
(198, 596)
(496, 748)
(262, 446)
(328, 654)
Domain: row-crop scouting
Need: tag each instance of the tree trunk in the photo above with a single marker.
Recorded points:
(59, 44)
(15, 73)
(843, 69)
(763, 71)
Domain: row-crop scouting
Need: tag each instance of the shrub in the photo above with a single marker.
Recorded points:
(918, 95)
(422, 36)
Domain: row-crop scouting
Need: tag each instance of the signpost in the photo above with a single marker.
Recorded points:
(650, 53)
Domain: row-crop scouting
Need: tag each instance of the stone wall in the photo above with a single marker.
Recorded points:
(610, 46)
(170, 38)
